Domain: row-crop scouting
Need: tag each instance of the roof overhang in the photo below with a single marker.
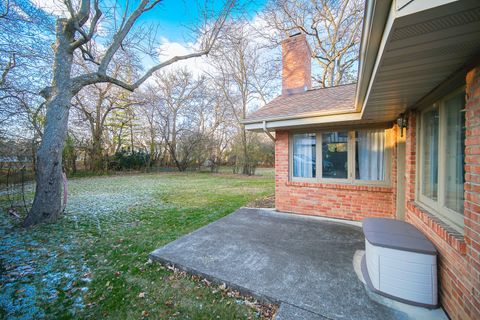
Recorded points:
(297, 122)
(424, 44)
(409, 49)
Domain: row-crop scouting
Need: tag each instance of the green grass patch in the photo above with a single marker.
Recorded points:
(94, 264)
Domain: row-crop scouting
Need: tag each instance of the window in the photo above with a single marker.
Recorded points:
(454, 153)
(430, 153)
(334, 155)
(358, 157)
(442, 158)
(304, 155)
(370, 155)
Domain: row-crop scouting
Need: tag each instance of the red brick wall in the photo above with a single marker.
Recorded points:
(329, 200)
(459, 256)
(296, 64)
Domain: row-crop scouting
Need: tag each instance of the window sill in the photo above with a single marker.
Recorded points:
(447, 233)
(341, 186)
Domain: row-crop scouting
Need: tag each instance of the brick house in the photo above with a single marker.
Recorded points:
(402, 143)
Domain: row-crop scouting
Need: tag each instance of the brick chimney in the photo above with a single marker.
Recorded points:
(296, 64)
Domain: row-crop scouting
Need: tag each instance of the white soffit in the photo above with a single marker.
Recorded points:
(423, 44)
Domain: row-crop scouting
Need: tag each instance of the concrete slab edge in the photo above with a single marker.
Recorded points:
(287, 311)
(308, 217)
(214, 280)
(242, 290)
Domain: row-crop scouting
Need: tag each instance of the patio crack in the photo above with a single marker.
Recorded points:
(304, 309)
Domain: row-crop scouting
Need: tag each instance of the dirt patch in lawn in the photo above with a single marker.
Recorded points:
(265, 202)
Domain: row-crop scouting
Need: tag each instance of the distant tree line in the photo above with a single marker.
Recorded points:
(178, 121)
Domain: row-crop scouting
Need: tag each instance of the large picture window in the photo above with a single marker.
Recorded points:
(442, 158)
(346, 156)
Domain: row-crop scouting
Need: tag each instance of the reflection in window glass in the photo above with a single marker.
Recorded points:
(454, 153)
(370, 155)
(430, 154)
(304, 146)
(334, 155)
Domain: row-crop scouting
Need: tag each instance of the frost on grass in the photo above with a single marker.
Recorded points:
(35, 269)
(46, 264)
(105, 202)
(45, 270)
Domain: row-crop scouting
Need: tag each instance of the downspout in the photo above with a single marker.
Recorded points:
(267, 132)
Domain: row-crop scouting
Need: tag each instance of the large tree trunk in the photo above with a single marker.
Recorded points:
(96, 155)
(47, 203)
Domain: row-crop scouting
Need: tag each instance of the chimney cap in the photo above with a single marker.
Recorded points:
(294, 33)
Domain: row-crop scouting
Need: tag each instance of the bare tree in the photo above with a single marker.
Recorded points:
(96, 102)
(177, 91)
(151, 132)
(333, 29)
(23, 60)
(215, 124)
(242, 75)
(185, 121)
(74, 35)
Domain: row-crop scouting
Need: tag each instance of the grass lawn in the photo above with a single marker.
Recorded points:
(94, 263)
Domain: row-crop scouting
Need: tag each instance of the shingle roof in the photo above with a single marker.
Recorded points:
(340, 98)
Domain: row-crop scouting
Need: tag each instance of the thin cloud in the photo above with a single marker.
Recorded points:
(53, 7)
(169, 49)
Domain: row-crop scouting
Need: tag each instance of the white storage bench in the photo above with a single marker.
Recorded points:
(400, 262)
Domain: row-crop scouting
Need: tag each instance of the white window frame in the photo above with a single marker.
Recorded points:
(437, 208)
(351, 178)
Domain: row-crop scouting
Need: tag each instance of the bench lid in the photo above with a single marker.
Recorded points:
(396, 234)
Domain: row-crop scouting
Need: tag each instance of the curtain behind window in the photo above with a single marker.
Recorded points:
(304, 162)
(370, 156)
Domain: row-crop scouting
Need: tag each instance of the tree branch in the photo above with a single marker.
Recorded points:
(93, 25)
(7, 9)
(120, 36)
(10, 65)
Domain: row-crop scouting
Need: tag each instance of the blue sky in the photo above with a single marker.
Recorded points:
(174, 15)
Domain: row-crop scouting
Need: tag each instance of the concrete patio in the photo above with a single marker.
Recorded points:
(305, 264)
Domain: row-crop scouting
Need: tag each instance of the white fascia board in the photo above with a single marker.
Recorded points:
(376, 17)
(372, 49)
(292, 123)
(379, 56)
(416, 6)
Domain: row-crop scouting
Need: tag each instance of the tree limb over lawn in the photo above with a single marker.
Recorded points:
(75, 36)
